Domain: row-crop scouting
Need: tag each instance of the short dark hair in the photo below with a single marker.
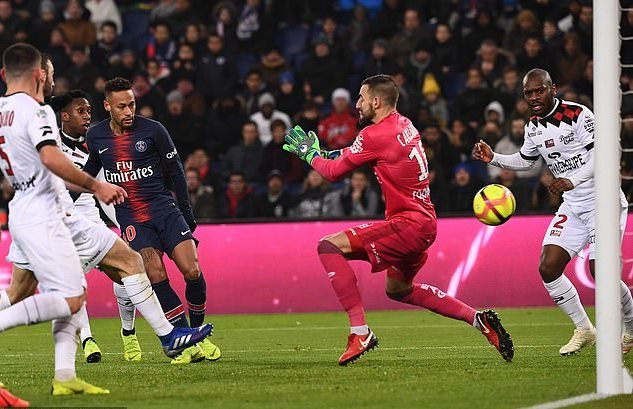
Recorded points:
(250, 122)
(383, 86)
(275, 123)
(117, 84)
(237, 173)
(20, 58)
(109, 23)
(60, 103)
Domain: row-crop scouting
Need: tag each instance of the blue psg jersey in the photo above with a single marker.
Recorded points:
(137, 161)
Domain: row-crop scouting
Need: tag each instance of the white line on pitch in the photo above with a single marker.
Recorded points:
(569, 401)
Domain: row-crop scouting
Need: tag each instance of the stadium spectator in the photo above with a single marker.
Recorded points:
(183, 125)
(275, 201)
(338, 129)
(584, 85)
(81, 72)
(433, 100)
(438, 187)
(462, 189)
(438, 148)
(308, 118)
(223, 125)
(102, 11)
(508, 89)
(494, 112)
(58, 50)
(339, 48)
(107, 50)
(9, 22)
(254, 86)
(322, 71)
(525, 25)
(275, 158)
(532, 55)
(161, 45)
(253, 30)
(181, 17)
(552, 39)
(266, 114)
(490, 61)
(194, 101)
(223, 23)
(357, 199)
(420, 63)
(413, 32)
(472, 101)
(184, 65)
(446, 50)
(359, 29)
(44, 24)
(193, 37)
(203, 201)
(78, 31)
(158, 77)
(379, 61)
(271, 65)
(311, 201)
(583, 27)
(217, 75)
(238, 201)
(247, 156)
(289, 98)
(483, 29)
(572, 60)
(146, 95)
(462, 138)
(385, 25)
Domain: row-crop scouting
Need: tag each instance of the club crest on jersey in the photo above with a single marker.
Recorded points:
(549, 143)
(140, 146)
(41, 113)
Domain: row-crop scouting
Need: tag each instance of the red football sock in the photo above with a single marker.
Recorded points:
(436, 300)
(343, 281)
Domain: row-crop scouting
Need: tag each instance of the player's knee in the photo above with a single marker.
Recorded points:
(191, 273)
(327, 247)
(549, 271)
(398, 295)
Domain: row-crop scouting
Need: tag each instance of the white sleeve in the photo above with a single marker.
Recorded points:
(42, 127)
(516, 161)
(529, 150)
(584, 128)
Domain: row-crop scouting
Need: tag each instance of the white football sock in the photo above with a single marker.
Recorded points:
(36, 308)
(140, 291)
(5, 302)
(564, 294)
(84, 324)
(627, 307)
(65, 333)
(359, 330)
(127, 311)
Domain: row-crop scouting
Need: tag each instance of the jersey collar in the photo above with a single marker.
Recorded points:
(72, 142)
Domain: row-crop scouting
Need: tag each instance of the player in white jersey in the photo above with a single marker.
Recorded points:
(97, 244)
(75, 118)
(34, 165)
(562, 132)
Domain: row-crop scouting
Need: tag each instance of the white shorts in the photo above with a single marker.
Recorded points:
(91, 240)
(48, 251)
(573, 229)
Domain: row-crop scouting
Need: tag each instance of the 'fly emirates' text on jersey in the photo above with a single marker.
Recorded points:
(564, 138)
(136, 161)
(394, 150)
(25, 127)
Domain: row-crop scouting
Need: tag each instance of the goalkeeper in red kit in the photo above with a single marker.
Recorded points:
(392, 146)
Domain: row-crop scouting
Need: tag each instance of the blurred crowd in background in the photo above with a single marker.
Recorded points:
(228, 78)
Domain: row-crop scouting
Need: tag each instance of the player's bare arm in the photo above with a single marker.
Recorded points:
(55, 160)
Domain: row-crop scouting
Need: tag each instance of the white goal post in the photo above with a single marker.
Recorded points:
(612, 378)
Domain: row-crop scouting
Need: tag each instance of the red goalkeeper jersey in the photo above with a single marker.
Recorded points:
(394, 150)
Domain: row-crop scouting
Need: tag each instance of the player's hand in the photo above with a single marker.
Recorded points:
(482, 152)
(560, 185)
(306, 147)
(109, 193)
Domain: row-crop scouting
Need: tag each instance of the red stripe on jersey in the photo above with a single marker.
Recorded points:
(124, 152)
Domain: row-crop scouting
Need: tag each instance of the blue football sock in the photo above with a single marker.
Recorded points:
(196, 295)
(169, 301)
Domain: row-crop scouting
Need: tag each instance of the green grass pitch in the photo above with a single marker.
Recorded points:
(290, 361)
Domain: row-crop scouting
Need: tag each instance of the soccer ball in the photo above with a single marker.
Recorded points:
(494, 204)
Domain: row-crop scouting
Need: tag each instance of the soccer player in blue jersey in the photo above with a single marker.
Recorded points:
(137, 154)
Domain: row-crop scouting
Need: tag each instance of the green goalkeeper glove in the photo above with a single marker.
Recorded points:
(331, 154)
(306, 147)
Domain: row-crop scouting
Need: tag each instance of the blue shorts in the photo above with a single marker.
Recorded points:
(161, 233)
